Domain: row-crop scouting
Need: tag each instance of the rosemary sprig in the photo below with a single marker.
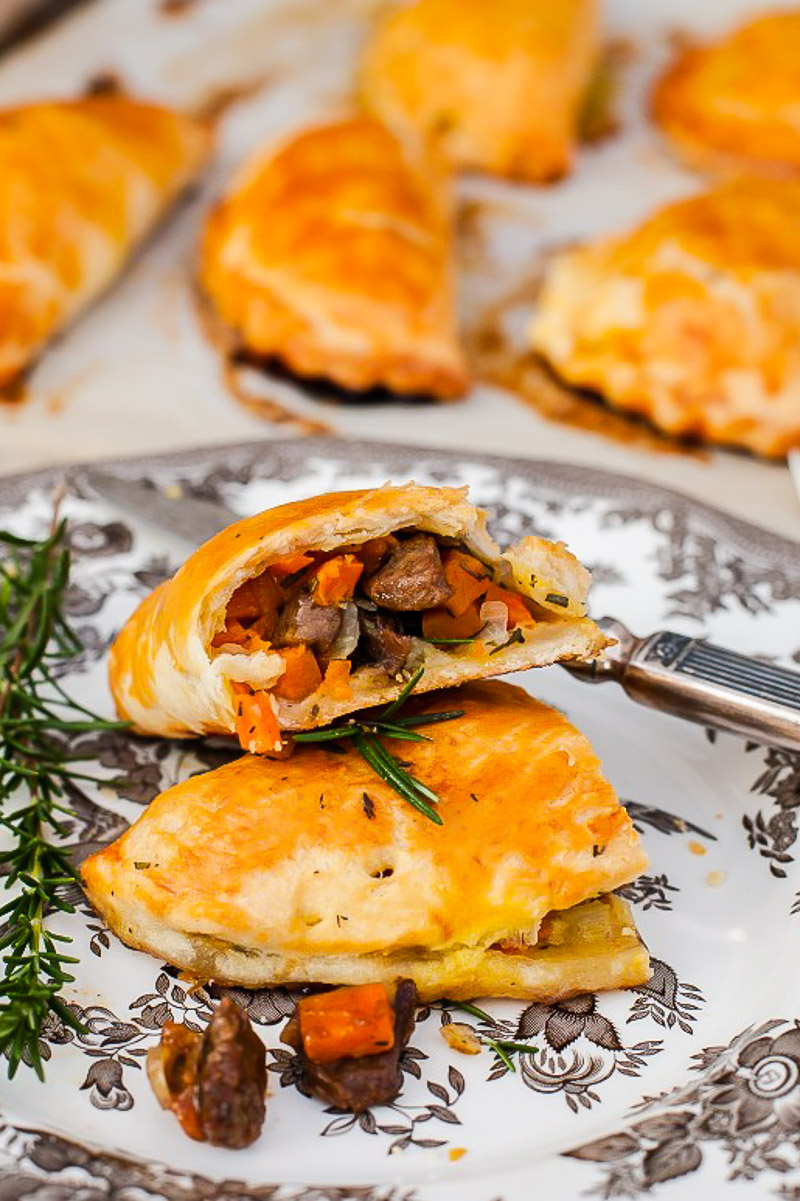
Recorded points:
(37, 719)
(365, 736)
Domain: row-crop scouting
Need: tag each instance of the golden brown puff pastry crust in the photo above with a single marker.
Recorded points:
(733, 104)
(167, 680)
(81, 182)
(497, 86)
(693, 319)
(333, 252)
(267, 871)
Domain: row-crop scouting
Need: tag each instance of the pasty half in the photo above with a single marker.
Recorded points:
(266, 872)
(324, 606)
(693, 319)
(332, 252)
(733, 104)
(497, 86)
(81, 182)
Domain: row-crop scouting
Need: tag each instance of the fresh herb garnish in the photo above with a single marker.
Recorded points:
(558, 598)
(467, 1007)
(450, 641)
(37, 720)
(504, 1047)
(515, 636)
(366, 739)
(500, 1046)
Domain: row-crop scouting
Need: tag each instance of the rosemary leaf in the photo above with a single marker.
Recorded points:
(499, 1051)
(508, 1044)
(450, 641)
(330, 735)
(365, 735)
(396, 780)
(390, 730)
(468, 1007)
(390, 710)
(428, 719)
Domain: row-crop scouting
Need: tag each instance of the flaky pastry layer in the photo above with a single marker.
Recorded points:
(317, 856)
(601, 950)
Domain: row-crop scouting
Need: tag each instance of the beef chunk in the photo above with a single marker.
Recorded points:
(358, 1084)
(215, 1082)
(232, 1079)
(304, 622)
(412, 578)
(383, 641)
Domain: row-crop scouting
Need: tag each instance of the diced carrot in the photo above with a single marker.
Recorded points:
(302, 675)
(439, 623)
(337, 680)
(289, 564)
(346, 1023)
(233, 632)
(249, 640)
(257, 598)
(468, 578)
(518, 612)
(336, 579)
(373, 553)
(256, 724)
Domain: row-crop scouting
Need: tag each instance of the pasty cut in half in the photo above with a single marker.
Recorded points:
(733, 104)
(318, 608)
(263, 873)
(692, 320)
(81, 183)
(332, 253)
(496, 86)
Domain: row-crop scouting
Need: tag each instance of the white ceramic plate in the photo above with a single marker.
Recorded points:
(692, 1079)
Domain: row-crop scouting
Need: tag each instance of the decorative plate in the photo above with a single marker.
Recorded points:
(692, 1079)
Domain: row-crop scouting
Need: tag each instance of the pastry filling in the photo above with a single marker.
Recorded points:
(329, 614)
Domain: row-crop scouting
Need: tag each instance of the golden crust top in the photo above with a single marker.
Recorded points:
(732, 104)
(80, 183)
(164, 679)
(497, 86)
(288, 856)
(692, 319)
(332, 252)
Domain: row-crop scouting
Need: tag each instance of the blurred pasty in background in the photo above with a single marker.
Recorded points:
(693, 319)
(81, 183)
(332, 253)
(735, 103)
(497, 84)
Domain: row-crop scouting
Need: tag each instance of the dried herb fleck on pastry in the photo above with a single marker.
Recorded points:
(732, 104)
(81, 183)
(692, 319)
(265, 872)
(332, 253)
(322, 607)
(497, 86)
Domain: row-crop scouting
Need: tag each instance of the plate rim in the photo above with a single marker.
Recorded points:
(762, 543)
(757, 544)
